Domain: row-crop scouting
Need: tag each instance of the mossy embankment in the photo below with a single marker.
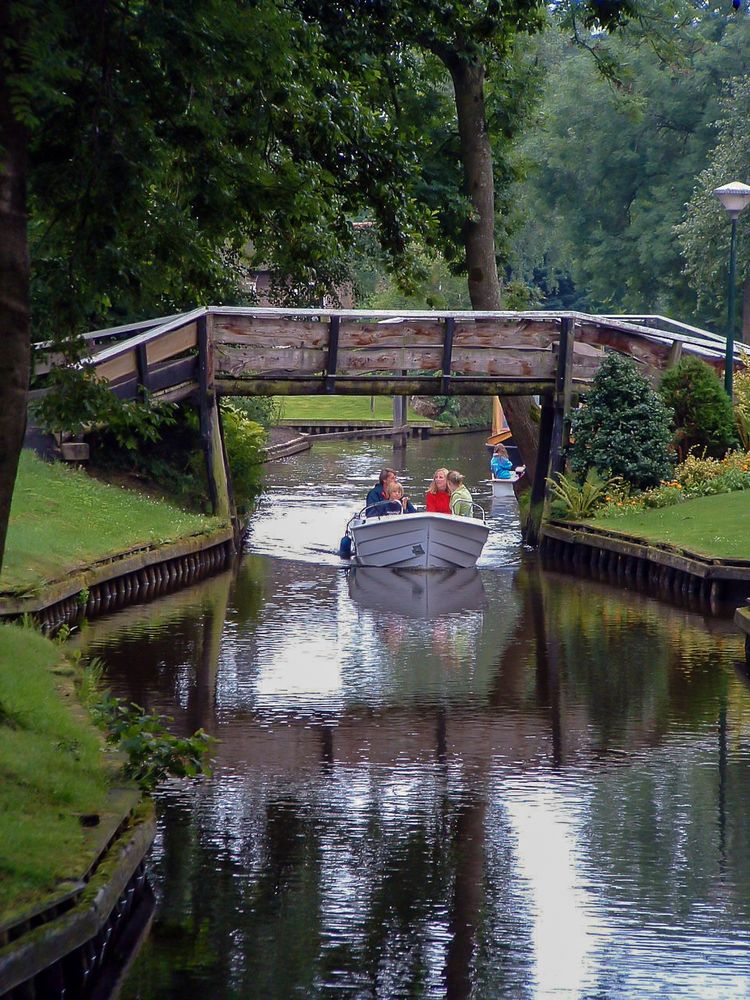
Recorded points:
(63, 520)
(55, 778)
(716, 527)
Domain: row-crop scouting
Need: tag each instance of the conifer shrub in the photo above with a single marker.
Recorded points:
(703, 418)
(623, 429)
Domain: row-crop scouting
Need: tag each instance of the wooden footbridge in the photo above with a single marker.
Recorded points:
(222, 351)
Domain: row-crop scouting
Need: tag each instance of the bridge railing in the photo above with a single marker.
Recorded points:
(307, 351)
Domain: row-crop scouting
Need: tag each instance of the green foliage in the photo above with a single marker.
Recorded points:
(153, 753)
(695, 477)
(741, 397)
(244, 440)
(264, 410)
(78, 399)
(703, 416)
(579, 500)
(623, 427)
(601, 230)
(705, 232)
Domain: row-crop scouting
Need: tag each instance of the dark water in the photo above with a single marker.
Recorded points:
(501, 783)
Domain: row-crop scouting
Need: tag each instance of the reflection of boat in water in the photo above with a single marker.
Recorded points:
(418, 541)
(417, 595)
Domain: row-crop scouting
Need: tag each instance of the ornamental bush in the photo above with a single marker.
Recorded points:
(703, 417)
(624, 427)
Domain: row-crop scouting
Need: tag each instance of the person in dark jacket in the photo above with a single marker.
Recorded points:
(379, 493)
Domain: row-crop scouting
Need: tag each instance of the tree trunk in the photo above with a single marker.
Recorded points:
(14, 283)
(479, 232)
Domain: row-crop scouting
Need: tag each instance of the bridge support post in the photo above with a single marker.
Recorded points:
(217, 466)
(563, 377)
(533, 531)
(552, 431)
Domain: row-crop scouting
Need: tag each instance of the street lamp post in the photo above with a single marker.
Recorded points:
(734, 197)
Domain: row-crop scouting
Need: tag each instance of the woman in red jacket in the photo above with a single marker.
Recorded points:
(437, 498)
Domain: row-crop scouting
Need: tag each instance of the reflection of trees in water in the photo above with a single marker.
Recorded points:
(381, 896)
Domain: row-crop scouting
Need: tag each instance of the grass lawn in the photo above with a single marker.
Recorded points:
(63, 520)
(302, 408)
(717, 526)
(52, 771)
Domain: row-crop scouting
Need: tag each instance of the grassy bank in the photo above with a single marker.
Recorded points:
(52, 772)
(357, 408)
(716, 526)
(63, 520)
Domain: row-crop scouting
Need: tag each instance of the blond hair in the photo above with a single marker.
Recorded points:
(454, 477)
(432, 488)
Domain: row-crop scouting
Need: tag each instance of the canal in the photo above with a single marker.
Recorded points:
(501, 783)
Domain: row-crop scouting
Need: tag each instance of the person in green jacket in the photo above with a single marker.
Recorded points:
(461, 502)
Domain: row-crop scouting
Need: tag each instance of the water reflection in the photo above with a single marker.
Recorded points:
(417, 593)
(539, 789)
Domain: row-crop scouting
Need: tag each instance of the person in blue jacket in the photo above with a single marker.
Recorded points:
(500, 465)
(379, 492)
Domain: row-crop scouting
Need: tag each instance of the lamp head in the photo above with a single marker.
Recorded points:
(733, 196)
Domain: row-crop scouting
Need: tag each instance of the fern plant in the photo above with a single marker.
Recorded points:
(573, 499)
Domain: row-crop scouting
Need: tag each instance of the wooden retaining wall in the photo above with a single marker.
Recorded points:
(680, 576)
(135, 577)
(58, 950)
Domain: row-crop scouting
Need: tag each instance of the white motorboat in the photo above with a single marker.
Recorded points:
(417, 595)
(417, 541)
(504, 487)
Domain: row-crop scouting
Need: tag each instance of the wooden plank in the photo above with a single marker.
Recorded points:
(171, 344)
(332, 354)
(172, 373)
(509, 363)
(506, 333)
(122, 366)
(258, 331)
(291, 332)
(122, 347)
(416, 333)
(238, 360)
(364, 385)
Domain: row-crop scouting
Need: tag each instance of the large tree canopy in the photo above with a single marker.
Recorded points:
(614, 170)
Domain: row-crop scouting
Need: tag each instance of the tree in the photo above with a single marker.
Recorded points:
(475, 43)
(705, 231)
(623, 428)
(14, 264)
(703, 416)
(607, 219)
(158, 142)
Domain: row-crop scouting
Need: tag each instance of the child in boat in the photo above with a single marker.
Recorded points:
(437, 498)
(461, 500)
(500, 465)
(396, 499)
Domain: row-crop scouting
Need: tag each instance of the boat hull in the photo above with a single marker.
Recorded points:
(504, 487)
(418, 541)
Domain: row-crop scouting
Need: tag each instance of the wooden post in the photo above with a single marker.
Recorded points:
(217, 470)
(563, 377)
(539, 486)
(675, 353)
